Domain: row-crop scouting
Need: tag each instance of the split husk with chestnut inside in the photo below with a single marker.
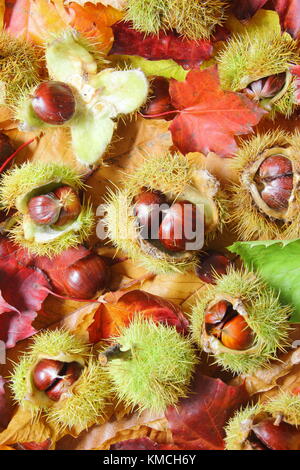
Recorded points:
(255, 427)
(241, 322)
(21, 184)
(178, 179)
(82, 402)
(150, 365)
(97, 96)
(255, 214)
(258, 63)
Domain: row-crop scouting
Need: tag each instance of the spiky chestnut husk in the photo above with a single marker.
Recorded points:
(192, 19)
(85, 401)
(284, 407)
(179, 179)
(252, 219)
(251, 57)
(101, 95)
(156, 367)
(32, 179)
(260, 308)
(19, 68)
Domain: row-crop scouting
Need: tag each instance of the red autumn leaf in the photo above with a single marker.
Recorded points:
(168, 45)
(110, 317)
(244, 9)
(280, 436)
(197, 422)
(289, 13)
(5, 410)
(36, 445)
(22, 292)
(209, 117)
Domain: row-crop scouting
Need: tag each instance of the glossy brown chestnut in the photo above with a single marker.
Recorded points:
(178, 222)
(236, 334)
(54, 102)
(69, 203)
(44, 209)
(148, 212)
(86, 277)
(46, 372)
(71, 373)
(211, 264)
(275, 181)
(6, 147)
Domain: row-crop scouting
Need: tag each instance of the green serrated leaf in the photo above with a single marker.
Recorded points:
(162, 68)
(278, 262)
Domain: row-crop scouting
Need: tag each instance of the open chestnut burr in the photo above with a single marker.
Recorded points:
(240, 321)
(273, 425)
(265, 203)
(166, 211)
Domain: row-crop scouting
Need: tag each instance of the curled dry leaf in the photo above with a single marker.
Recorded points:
(209, 117)
(197, 422)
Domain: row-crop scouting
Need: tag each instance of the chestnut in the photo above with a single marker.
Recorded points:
(46, 372)
(6, 147)
(236, 334)
(211, 264)
(70, 374)
(86, 277)
(148, 211)
(275, 180)
(54, 102)
(55, 377)
(69, 203)
(44, 209)
(179, 221)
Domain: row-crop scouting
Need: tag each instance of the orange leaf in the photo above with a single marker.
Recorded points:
(94, 21)
(209, 117)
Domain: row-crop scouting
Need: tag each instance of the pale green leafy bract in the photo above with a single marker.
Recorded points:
(278, 262)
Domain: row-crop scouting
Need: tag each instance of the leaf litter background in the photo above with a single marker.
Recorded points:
(198, 421)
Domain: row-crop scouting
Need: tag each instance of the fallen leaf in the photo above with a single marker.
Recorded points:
(22, 293)
(118, 4)
(165, 45)
(289, 13)
(142, 443)
(209, 117)
(197, 422)
(109, 317)
(5, 410)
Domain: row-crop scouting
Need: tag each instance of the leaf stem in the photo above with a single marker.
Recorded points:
(2, 167)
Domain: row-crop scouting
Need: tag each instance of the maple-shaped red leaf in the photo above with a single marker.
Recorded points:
(197, 422)
(289, 13)
(109, 317)
(210, 117)
(165, 45)
(244, 9)
(22, 292)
